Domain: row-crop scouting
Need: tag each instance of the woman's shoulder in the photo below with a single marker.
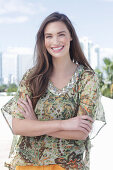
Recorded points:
(24, 83)
(26, 76)
(85, 69)
(27, 73)
(87, 74)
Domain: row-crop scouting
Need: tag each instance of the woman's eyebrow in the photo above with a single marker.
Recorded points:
(61, 32)
(57, 33)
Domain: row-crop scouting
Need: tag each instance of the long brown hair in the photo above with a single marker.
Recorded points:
(39, 77)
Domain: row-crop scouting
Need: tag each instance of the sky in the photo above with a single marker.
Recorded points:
(20, 20)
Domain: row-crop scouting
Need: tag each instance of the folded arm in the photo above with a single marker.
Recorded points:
(66, 129)
(27, 127)
(69, 134)
(76, 128)
(87, 106)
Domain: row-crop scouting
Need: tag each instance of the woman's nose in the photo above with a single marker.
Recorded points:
(55, 40)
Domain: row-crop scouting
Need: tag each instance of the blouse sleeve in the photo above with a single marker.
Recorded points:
(90, 101)
(10, 109)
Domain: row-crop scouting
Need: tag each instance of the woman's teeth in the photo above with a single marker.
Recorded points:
(57, 48)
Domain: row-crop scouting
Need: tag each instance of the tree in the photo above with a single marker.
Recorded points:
(108, 69)
(12, 88)
(107, 88)
(3, 88)
(100, 76)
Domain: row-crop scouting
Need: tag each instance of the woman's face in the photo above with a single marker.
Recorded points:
(57, 39)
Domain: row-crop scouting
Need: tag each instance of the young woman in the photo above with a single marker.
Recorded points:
(56, 103)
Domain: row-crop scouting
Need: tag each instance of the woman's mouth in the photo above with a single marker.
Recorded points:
(57, 49)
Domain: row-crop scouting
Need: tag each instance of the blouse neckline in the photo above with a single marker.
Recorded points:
(52, 88)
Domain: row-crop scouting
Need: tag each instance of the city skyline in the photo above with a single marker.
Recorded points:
(14, 63)
(20, 20)
(20, 59)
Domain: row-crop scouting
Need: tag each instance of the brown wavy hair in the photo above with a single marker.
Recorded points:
(39, 77)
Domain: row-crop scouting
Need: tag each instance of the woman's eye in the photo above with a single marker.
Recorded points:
(49, 36)
(61, 35)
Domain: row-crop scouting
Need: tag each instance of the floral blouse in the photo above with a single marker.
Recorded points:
(80, 96)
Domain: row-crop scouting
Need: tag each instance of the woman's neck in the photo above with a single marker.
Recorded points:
(63, 67)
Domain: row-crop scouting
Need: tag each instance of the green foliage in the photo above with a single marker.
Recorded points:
(9, 89)
(12, 88)
(3, 88)
(100, 75)
(108, 68)
(106, 83)
(106, 90)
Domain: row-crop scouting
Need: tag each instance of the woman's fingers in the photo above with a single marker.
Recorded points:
(27, 109)
(85, 126)
(22, 111)
(25, 104)
(84, 131)
(87, 123)
(82, 122)
(86, 117)
(29, 101)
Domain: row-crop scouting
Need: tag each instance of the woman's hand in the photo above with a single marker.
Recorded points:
(27, 108)
(79, 123)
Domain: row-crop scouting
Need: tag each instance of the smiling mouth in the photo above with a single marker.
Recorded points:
(57, 49)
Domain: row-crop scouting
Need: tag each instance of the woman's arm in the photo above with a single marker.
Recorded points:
(30, 126)
(70, 134)
(58, 128)
(27, 127)
(84, 124)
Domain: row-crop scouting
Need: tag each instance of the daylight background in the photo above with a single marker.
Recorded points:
(93, 22)
(20, 20)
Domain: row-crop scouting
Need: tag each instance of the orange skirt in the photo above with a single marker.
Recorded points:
(48, 167)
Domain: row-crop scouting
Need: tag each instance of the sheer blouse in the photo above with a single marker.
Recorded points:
(81, 96)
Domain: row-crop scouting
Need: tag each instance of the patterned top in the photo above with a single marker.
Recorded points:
(80, 96)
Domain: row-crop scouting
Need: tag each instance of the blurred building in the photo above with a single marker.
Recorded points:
(24, 62)
(91, 51)
(9, 64)
(95, 57)
(86, 46)
(15, 61)
(94, 53)
(97, 51)
(0, 68)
